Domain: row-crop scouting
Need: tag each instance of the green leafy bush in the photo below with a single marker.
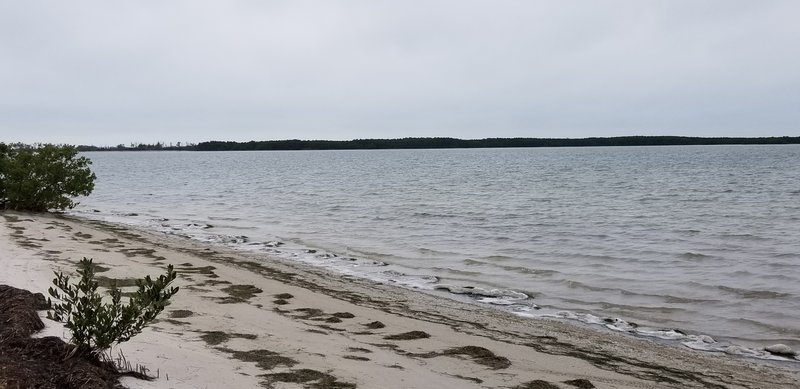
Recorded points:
(42, 178)
(95, 325)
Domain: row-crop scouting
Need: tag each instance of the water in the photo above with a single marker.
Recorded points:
(699, 245)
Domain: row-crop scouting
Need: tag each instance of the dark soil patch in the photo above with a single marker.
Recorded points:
(173, 322)
(45, 363)
(479, 355)
(473, 379)
(283, 296)
(344, 315)
(280, 302)
(107, 282)
(207, 270)
(359, 350)
(180, 313)
(140, 252)
(329, 328)
(308, 313)
(333, 320)
(390, 346)
(97, 267)
(239, 293)
(11, 218)
(264, 359)
(411, 335)
(306, 376)
(537, 384)
(213, 338)
(213, 282)
(83, 235)
(580, 383)
(375, 325)
(316, 331)
(356, 358)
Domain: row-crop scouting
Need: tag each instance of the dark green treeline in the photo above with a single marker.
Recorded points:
(448, 143)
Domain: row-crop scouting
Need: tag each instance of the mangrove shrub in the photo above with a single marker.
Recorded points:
(43, 178)
(96, 325)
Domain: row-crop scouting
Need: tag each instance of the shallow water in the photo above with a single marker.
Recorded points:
(702, 239)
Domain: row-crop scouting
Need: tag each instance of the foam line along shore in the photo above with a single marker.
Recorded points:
(246, 319)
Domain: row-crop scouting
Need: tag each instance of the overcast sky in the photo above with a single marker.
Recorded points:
(109, 72)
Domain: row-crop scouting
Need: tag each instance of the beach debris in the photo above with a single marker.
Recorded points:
(307, 376)
(213, 338)
(781, 350)
(483, 293)
(359, 350)
(537, 384)
(479, 355)
(375, 325)
(308, 313)
(47, 362)
(411, 335)
(282, 298)
(202, 226)
(180, 313)
(264, 359)
(580, 383)
(239, 293)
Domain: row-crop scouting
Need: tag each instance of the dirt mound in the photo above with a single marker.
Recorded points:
(47, 362)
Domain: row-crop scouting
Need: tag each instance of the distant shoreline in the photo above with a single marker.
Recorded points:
(447, 143)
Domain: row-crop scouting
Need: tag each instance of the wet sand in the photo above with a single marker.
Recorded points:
(248, 321)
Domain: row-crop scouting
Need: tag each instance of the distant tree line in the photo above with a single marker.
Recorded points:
(139, 147)
(447, 143)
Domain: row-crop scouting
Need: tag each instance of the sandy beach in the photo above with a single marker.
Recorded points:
(247, 321)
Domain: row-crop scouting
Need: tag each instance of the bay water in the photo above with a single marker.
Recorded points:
(695, 245)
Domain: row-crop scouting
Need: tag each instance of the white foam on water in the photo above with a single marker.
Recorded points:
(516, 302)
(699, 342)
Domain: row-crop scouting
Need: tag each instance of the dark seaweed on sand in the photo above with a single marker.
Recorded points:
(45, 363)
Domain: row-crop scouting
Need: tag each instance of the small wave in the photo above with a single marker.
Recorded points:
(581, 285)
(427, 251)
(433, 215)
(754, 294)
(694, 256)
(698, 342)
(686, 300)
(489, 296)
(527, 270)
(742, 237)
(224, 218)
(411, 280)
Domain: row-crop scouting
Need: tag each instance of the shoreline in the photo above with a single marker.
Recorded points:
(244, 320)
(514, 300)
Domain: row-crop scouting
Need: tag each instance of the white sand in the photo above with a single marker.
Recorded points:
(33, 246)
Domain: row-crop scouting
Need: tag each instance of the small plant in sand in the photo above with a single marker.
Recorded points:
(96, 325)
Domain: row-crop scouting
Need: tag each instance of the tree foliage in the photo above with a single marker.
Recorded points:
(95, 326)
(42, 178)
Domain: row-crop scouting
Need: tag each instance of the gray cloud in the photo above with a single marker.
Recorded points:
(118, 72)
